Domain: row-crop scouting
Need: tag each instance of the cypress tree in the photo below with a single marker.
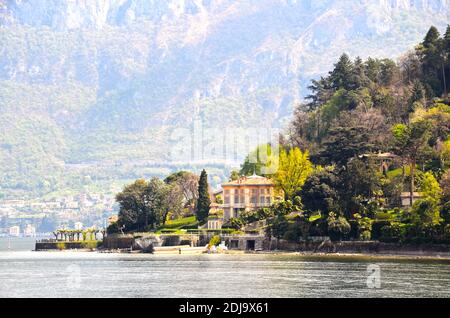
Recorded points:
(204, 201)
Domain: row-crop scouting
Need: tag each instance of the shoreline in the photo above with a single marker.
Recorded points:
(307, 255)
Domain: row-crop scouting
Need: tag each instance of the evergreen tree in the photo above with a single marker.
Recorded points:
(343, 74)
(432, 62)
(320, 93)
(372, 69)
(446, 42)
(359, 74)
(417, 95)
(431, 38)
(345, 143)
(204, 201)
(446, 57)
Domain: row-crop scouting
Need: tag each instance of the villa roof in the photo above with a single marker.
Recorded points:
(250, 181)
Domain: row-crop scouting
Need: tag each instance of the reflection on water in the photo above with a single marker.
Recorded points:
(72, 274)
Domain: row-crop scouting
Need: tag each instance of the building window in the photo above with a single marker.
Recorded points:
(262, 200)
(227, 214)
(236, 196)
(226, 197)
(234, 244)
(254, 198)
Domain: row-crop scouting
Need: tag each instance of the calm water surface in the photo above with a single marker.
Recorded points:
(72, 274)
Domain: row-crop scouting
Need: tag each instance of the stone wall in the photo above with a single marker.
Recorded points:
(118, 241)
(357, 247)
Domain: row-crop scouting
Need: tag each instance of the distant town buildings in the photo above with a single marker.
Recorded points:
(88, 208)
(30, 231)
(14, 231)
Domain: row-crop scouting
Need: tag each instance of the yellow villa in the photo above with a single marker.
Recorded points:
(246, 194)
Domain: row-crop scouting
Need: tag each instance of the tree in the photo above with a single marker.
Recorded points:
(277, 227)
(319, 192)
(388, 72)
(344, 143)
(430, 52)
(145, 205)
(235, 175)
(338, 227)
(343, 74)
(163, 199)
(204, 201)
(359, 74)
(410, 141)
(188, 184)
(430, 187)
(427, 211)
(445, 186)
(320, 93)
(417, 96)
(133, 213)
(293, 170)
(359, 186)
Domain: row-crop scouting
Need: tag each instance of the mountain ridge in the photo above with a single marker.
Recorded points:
(89, 86)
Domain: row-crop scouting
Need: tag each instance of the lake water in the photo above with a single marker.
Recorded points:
(73, 274)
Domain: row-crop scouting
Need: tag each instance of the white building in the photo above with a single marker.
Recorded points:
(14, 231)
(30, 231)
(406, 198)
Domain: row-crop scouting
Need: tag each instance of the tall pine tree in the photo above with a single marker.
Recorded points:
(342, 75)
(204, 201)
(432, 62)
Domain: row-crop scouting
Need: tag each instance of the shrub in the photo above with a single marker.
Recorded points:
(447, 234)
(364, 227)
(376, 228)
(354, 229)
(233, 223)
(215, 240)
(425, 233)
(365, 236)
(445, 212)
(89, 245)
(61, 246)
(112, 228)
(319, 228)
(391, 233)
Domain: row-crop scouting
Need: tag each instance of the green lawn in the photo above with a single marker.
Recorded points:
(180, 223)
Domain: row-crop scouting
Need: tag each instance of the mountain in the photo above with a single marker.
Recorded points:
(95, 91)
